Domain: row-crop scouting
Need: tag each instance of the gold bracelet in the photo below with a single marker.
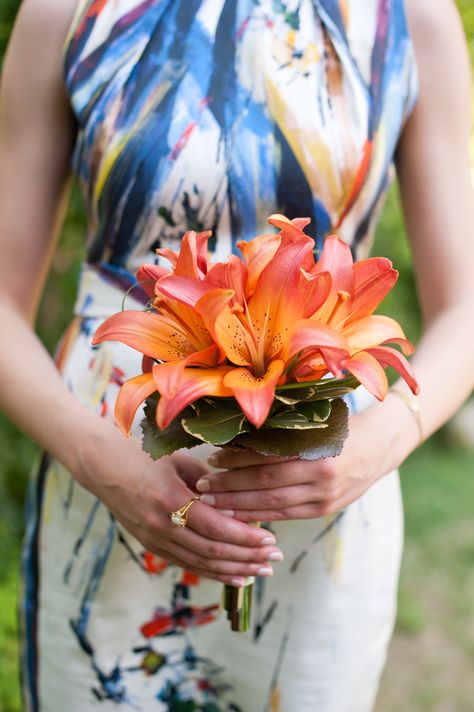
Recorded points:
(413, 405)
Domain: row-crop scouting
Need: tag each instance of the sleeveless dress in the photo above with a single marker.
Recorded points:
(213, 114)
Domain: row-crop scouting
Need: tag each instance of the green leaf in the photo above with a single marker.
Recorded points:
(293, 397)
(290, 419)
(315, 411)
(216, 424)
(158, 443)
(292, 393)
(312, 444)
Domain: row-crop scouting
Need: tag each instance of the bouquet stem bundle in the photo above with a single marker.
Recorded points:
(237, 602)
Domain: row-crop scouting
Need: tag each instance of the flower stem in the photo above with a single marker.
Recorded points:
(237, 602)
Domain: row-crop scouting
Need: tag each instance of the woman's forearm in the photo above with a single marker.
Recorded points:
(35, 398)
(443, 364)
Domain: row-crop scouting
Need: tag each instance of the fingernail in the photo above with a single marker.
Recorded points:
(203, 485)
(265, 571)
(268, 541)
(238, 582)
(227, 512)
(275, 556)
(213, 460)
(208, 499)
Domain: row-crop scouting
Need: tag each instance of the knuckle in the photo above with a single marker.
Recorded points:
(151, 522)
(215, 550)
(271, 499)
(150, 544)
(324, 509)
(204, 564)
(264, 477)
(214, 530)
(327, 469)
(155, 501)
(336, 492)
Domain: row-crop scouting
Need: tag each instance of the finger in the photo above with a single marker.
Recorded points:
(277, 498)
(190, 469)
(214, 525)
(214, 566)
(310, 510)
(218, 550)
(262, 477)
(222, 578)
(235, 458)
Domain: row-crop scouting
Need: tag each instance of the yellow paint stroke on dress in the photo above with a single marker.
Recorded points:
(344, 7)
(275, 700)
(51, 493)
(114, 151)
(66, 343)
(333, 549)
(98, 377)
(314, 157)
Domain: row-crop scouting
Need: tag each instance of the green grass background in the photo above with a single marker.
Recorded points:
(432, 657)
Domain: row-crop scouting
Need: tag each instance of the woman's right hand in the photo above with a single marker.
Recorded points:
(141, 493)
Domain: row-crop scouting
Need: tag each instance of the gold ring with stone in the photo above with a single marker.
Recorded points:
(180, 517)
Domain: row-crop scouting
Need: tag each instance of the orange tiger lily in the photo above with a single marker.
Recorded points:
(357, 289)
(253, 330)
(242, 327)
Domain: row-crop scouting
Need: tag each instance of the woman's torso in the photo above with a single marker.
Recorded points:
(205, 114)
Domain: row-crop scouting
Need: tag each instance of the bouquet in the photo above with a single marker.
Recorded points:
(257, 352)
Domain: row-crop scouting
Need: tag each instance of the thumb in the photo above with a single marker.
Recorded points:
(190, 469)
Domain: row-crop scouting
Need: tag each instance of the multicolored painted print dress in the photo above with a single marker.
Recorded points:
(198, 114)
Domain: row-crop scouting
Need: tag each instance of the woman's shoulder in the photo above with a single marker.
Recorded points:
(434, 23)
(441, 49)
(32, 73)
(41, 26)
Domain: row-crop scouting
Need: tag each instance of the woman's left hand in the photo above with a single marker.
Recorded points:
(270, 488)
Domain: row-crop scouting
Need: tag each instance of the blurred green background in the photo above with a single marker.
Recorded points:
(431, 661)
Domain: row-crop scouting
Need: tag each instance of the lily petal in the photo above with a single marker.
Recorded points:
(192, 257)
(287, 227)
(151, 334)
(131, 395)
(207, 357)
(169, 255)
(374, 330)
(182, 289)
(311, 334)
(315, 288)
(301, 223)
(369, 372)
(391, 357)
(229, 275)
(257, 254)
(224, 326)
(336, 258)
(255, 395)
(373, 279)
(202, 238)
(179, 386)
(148, 275)
(279, 296)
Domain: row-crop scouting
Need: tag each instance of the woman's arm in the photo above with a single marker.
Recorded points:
(36, 137)
(438, 202)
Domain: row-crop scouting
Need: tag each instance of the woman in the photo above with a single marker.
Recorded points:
(210, 114)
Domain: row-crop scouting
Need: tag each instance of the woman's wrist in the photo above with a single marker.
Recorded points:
(392, 429)
(81, 440)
